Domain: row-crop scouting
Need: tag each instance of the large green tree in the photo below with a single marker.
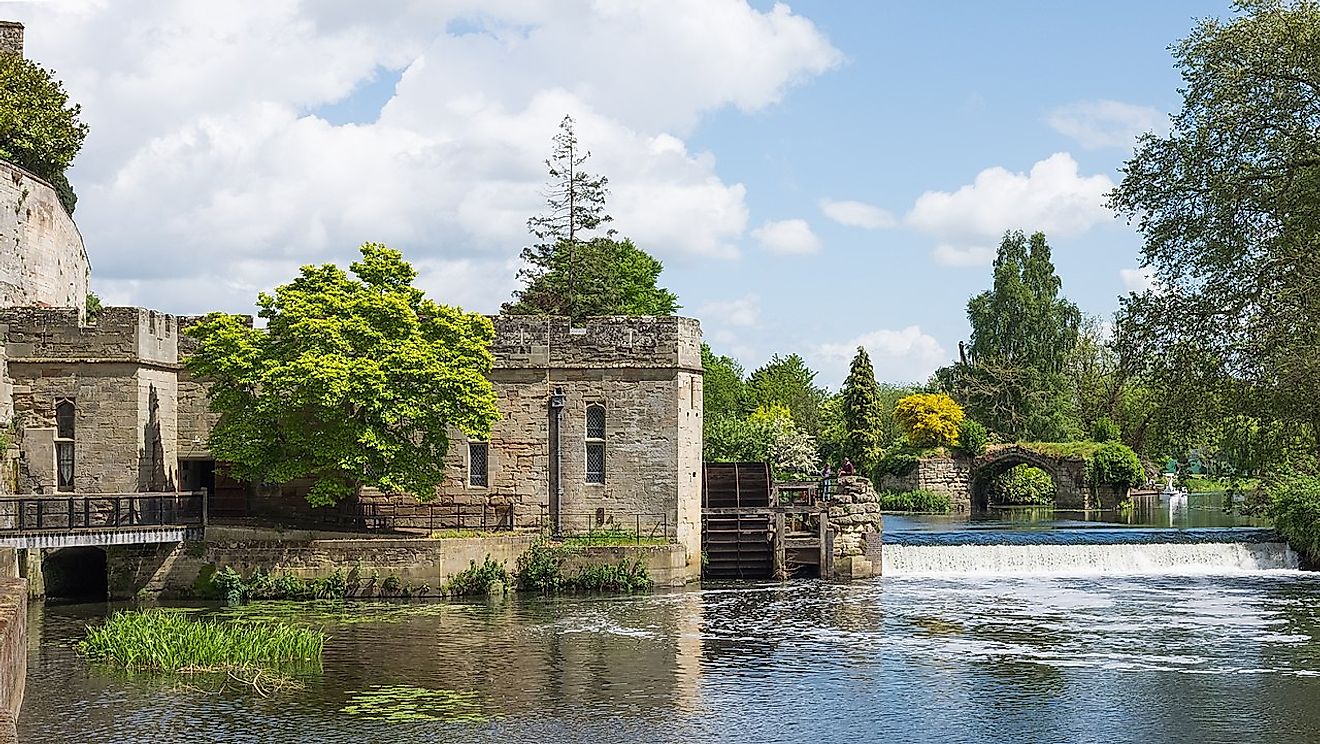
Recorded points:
(1228, 204)
(721, 386)
(612, 277)
(575, 201)
(862, 413)
(353, 382)
(788, 381)
(39, 128)
(1022, 332)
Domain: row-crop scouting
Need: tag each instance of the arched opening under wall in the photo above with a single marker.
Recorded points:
(75, 574)
(987, 483)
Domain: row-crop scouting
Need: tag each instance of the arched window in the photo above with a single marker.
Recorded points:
(595, 443)
(65, 415)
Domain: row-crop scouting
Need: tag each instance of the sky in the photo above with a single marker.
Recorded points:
(815, 177)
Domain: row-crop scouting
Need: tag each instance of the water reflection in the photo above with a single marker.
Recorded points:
(1197, 510)
(1136, 658)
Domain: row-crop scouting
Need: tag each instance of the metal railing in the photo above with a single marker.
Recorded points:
(608, 527)
(101, 511)
(389, 516)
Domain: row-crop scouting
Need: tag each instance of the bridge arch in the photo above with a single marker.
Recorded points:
(77, 573)
(1068, 474)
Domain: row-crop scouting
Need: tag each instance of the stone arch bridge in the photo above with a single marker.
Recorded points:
(965, 480)
(1067, 472)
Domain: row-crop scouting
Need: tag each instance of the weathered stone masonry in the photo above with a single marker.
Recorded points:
(645, 372)
(121, 376)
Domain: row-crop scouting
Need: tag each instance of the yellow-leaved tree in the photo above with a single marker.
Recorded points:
(929, 419)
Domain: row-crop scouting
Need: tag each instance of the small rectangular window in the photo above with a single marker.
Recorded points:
(595, 462)
(479, 463)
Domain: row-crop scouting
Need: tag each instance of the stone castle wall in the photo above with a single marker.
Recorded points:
(11, 38)
(43, 261)
(120, 373)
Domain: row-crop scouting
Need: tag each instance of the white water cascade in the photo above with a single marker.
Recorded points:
(1087, 559)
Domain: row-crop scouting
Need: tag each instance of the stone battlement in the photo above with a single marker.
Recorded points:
(536, 342)
(121, 334)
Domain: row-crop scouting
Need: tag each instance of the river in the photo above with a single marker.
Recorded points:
(1209, 651)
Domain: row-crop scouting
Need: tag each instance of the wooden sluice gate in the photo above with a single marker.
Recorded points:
(754, 529)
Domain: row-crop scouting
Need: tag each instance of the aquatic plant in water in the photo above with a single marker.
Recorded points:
(408, 703)
(167, 641)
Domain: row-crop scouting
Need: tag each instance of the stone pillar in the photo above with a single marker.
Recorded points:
(11, 38)
(30, 566)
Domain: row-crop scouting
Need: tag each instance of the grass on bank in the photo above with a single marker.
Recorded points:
(166, 641)
(1206, 484)
(611, 538)
(919, 501)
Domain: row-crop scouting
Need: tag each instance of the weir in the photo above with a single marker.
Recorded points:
(1060, 552)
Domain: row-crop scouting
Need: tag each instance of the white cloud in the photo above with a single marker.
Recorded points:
(1103, 123)
(743, 312)
(857, 214)
(787, 236)
(203, 152)
(904, 355)
(1138, 280)
(1052, 197)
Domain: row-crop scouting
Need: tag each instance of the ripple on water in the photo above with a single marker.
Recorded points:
(1008, 659)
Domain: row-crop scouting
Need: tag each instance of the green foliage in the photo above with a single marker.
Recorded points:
(722, 394)
(169, 641)
(1294, 507)
(862, 413)
(919, 501)
(353, 382)
(899, 461)
(1104, 430)
(1226, 204)
(541, 569)
(1022, 321)
(929, 419)
(1115, 464)
(788, 381)
(93, 307)
(1023, 485)
(478, 578)
(624, 577)
(770, 435)
(1022, 334)
(972, 438)
(576, 206)
(230, 585)
(39, 128)
(601, 276)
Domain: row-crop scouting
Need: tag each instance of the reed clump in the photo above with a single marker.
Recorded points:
(166, 641)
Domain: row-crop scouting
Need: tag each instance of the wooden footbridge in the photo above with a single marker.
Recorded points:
(102, 519)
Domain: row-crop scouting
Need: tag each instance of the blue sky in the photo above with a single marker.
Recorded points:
(814, 176)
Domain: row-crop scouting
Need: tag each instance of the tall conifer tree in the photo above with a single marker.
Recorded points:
(862, 412)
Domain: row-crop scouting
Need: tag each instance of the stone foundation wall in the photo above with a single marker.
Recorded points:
(951, 476)
(13, 654)
(172, 570)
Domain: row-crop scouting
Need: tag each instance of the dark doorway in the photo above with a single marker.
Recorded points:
(194, 475)
(75, 574)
